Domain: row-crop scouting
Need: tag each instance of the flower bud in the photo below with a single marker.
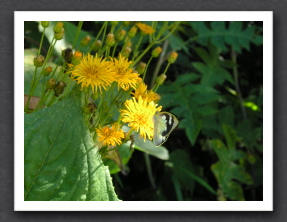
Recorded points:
(126, 52)
(39, 61)
(58, 27)
(110, 41)
(67, 54)
(114, 23)
(59, 88)
(47, 71)
(172, 57)
(156, 52)
(96, 45)
(44, 24)
(51, 83)
(77, 57)
(126, 23)
(132, 32)
(85, 41)
(60, 35)
(160, 79)
(89, 108)
(141, 67)
(120, 35)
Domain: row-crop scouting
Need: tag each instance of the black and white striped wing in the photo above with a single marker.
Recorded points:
(164, 124)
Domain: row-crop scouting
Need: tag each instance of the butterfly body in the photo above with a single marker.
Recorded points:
(164, 124)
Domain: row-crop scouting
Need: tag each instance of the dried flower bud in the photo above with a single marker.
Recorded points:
(110, 41)
(47, 71)
(156, 52)
(39, 61)
(67, 54)
(96, 45)
(44, 24)
(59, 88)
(160, 79)
(141, 67)
(132, 32)
(58, 27)
(85, 41)
(172, 57)
(126, 23)
(126, 52)
(51, 83)
(89, 108)
(120, 35)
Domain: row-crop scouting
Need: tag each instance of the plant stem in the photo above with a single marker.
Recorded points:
(77, 34)
(147, 67)
(41, 42)
(135, 52)
(235, 76)
(159, 63)
(149, 171)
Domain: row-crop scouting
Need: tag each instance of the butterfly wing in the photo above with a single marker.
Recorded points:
(164, 124)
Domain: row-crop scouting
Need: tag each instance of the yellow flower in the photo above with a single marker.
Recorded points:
(139, 116)
(125, 76)
(146, 29)
(110, 136)
(95, 72)
(145, 94)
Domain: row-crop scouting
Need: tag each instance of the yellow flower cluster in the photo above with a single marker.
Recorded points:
(99, 73)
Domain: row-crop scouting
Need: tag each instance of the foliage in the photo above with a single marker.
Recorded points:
(215, 90)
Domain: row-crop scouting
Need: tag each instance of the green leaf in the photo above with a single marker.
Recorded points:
(230, 136)
(185, 172)
(228, 172)
(61, 162)
(220, 35)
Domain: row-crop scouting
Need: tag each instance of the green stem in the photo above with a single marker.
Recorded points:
(159, 63)
(142, 54)
(135, 52)
(164, 38)
(166, 68)
(147, 67)
(149, 171)
(31, 89)
(41, 42)
(77, 34)
(235, 76)
(114, 50)
(125, 45)
(97, 37)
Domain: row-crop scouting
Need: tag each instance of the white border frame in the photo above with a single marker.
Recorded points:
(265, 205)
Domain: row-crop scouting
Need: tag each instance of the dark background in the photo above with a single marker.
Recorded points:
(6, 122)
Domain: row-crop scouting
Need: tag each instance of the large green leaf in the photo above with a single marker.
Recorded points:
(61, 162)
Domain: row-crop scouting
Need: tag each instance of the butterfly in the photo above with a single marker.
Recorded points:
(164, 124)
